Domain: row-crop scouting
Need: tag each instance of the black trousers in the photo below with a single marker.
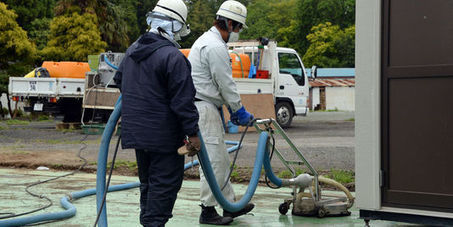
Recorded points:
(161, 178)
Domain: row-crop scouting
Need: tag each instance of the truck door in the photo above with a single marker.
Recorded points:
(292, 82)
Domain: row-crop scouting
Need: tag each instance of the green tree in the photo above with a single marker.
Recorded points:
(112, 18)
(258, 21)
(13, 39)
(68, 7)
(29, 10)
(314, 12)
(330, 46)
(200, 18)
(16, 52)
(283, 16)
(128, 13)
(39, 31)
(113, 28)
(143, 7)
(272, 19)
(73, 37)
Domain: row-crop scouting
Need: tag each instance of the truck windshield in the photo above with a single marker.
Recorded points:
(289, 64)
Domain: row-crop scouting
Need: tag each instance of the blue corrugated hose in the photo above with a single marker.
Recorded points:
(262, 158)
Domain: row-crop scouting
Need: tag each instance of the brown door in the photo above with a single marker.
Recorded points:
(417, 104)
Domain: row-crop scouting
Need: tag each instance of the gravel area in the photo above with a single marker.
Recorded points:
(326, 139)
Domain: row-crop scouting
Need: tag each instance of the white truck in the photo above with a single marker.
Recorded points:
(52, 95)
(68, 96)
(287, 81)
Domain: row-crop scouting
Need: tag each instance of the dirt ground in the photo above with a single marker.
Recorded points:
(325, 139)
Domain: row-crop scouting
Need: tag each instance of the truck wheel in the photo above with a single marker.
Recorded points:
(284, 112)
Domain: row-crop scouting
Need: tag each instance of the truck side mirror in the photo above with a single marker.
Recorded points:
(314, 72)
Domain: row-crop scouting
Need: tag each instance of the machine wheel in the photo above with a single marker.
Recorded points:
(285, 113)
(283, 208)
(321, 213)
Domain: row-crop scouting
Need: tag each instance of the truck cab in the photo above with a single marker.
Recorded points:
(287, 79)
(292, 87)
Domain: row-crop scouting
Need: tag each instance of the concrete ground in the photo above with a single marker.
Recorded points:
(123, 206)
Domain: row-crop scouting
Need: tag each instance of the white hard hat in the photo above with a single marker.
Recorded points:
(233, 10)
(175, 9)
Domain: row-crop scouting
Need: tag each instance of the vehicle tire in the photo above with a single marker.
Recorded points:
(322, 212)
(284, 112)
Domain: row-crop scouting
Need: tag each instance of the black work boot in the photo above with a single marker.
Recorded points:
(210, 216)
(249, 207)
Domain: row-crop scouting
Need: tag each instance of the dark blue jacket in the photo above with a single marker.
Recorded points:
(158, 96)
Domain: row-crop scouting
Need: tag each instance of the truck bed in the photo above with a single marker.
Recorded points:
(254, 86)
(46, 87)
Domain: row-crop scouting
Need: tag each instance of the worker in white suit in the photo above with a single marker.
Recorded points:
(212, 77)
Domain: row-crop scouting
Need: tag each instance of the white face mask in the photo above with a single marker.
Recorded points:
(234, 37)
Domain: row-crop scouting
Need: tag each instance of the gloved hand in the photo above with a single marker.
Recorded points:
(241, 117)
(194, 145)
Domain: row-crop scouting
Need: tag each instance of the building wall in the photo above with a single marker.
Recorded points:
(341, 98)
(367, 114)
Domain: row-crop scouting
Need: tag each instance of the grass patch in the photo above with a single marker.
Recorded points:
(43, 118)
(3, 127)
(287, 174)
(17, 122)
(20, 152)
(123, 163)
(330, 110)
(341, 176)
(350, 119)
(65, 130)
(334, 110)
(234, 176)
(57, 166)
(54, 141)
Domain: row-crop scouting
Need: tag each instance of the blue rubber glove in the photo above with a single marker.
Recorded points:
(243, 117)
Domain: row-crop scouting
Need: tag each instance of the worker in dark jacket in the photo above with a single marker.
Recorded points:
(158, 110)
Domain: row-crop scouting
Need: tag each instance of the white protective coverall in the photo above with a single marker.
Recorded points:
(212, 77)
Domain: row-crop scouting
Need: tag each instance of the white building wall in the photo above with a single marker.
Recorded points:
(340, 98)
(367, 114)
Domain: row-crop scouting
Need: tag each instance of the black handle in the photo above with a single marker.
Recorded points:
(282, 87)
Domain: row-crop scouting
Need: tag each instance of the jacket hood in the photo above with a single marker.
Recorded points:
(146, 45)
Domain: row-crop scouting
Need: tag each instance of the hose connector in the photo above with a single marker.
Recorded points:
(303, 181)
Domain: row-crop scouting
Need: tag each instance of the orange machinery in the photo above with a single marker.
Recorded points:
(66, 69)
(239, 62)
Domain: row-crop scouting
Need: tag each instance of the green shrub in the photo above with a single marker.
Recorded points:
(342, 176)
(43, 117)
